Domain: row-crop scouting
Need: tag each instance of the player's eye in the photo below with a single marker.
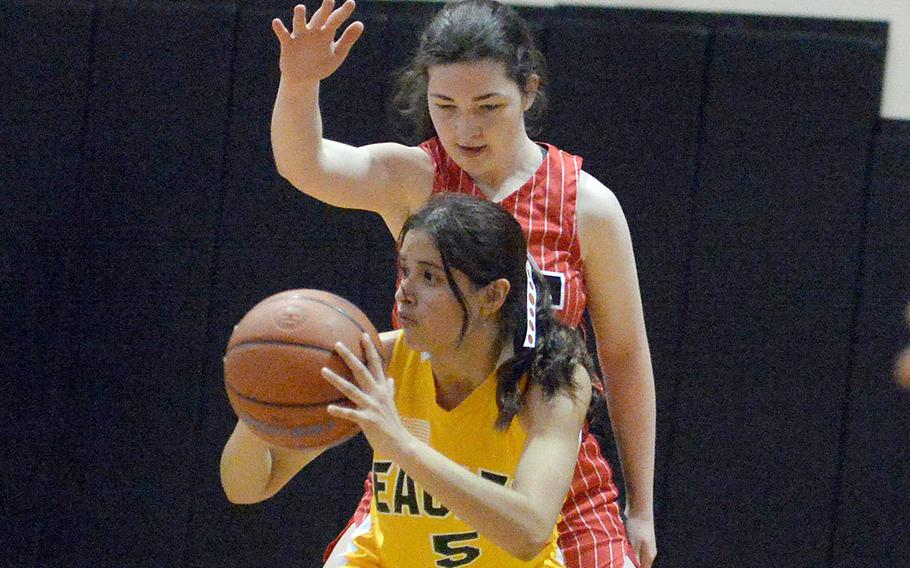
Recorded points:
(490, 107)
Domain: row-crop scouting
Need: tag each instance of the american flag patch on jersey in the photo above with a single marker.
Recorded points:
(419, 428)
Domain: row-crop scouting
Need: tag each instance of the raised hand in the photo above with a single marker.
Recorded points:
(309, 52)
(374, 401)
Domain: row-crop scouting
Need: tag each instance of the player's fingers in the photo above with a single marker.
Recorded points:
(364, 378)
(636, 549)
(344, 413)
(348, 39)
(299, 22)
(337, 17)
(374, 361)
(646, 556)
(353, 393)
(321, 15)
(281, 32)
(643, 559)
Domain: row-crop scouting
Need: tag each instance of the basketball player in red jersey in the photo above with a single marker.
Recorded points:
(475, 77)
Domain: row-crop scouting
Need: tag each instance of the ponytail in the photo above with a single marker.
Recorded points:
(550, 362)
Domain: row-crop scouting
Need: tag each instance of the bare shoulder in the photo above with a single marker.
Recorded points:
(569, 406)
(600, 218)
(387, 341)
(407, 171)
(595, 200)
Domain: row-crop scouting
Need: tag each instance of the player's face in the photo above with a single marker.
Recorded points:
(478, 114)
(428, 311)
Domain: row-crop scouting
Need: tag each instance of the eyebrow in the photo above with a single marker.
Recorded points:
(475, 99)
(403, 258)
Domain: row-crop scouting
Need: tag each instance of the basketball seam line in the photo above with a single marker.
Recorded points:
(255, 342)
(284, 404)
(341, 311)
(334, 307)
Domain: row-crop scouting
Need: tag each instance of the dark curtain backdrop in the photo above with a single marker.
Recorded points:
(142, 216)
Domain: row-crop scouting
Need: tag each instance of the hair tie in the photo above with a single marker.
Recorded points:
(531, 312)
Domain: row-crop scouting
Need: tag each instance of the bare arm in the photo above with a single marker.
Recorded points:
(622, 347)
(253, 470)
(520, 518)
(390, 179)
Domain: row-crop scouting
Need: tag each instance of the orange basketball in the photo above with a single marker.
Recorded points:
(273, 361)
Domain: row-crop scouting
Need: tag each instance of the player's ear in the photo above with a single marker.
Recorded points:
(530, 90)
(494, 296)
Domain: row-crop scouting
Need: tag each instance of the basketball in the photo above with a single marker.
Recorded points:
(273, 361)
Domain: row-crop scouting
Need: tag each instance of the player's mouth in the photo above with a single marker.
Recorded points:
(471, 151)
(404, 318)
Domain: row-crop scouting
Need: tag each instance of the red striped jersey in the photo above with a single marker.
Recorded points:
(591, 532)
(545, 208)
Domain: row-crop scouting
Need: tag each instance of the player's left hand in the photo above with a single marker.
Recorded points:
(640, 530)
(374, 401)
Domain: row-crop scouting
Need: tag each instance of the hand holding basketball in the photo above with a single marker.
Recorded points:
(374, 400)
(309, 51)
(273, 362)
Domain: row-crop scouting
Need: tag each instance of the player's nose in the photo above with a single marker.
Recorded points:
(466, 129)
(403, 293)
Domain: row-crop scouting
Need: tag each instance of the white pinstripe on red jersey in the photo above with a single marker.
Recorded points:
(546, 203)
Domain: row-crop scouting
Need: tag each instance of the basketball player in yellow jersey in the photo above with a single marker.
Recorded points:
(475, 423)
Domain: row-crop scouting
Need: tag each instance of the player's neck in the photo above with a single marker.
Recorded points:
(459, 371)
(511, 173)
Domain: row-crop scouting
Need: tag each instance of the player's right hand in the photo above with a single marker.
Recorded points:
(309, 51)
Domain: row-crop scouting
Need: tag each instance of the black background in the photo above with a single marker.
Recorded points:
(142, 216)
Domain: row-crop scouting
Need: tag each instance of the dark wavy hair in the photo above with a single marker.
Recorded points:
(484, 242)
(463, 32)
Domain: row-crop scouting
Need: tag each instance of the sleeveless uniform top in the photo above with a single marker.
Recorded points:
(408, 527)
(591, 531)
(545, 208)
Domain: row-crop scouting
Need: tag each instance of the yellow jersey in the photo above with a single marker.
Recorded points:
(407, 527)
